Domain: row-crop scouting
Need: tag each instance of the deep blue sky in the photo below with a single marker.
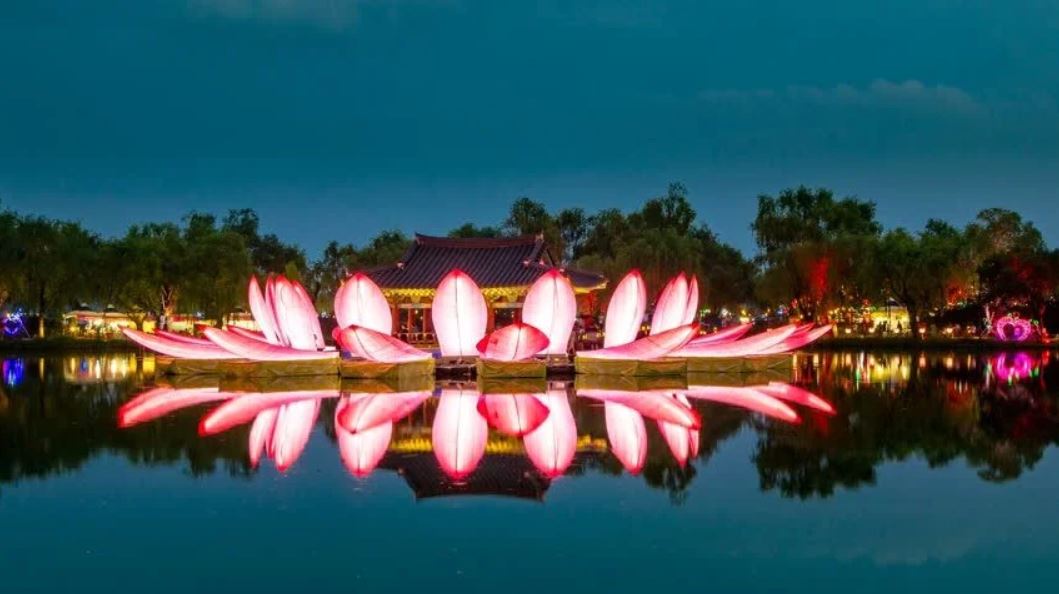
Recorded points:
(337, 118)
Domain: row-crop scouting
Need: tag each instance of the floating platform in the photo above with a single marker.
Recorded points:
(740, 364)
(738, 380)
(279, 383)
(524, 385)
(630, 383)
(630, 367)
(424, 383)
(275, 369)
(534, 368)
(362, 369)
(177, 367)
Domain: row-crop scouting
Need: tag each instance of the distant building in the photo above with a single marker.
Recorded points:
(504, 268)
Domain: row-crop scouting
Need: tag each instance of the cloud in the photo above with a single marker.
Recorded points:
(879, 94)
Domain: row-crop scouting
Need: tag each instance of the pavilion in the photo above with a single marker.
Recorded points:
(504, 268)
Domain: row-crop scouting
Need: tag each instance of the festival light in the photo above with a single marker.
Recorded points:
(359, 301)
(513, 414)
(177, 348)
(627, 435)
(748, 398)
(262, 310)
(1012, 329)
(246, 333)
(625, 310)
(514, 342)
(256, 350)
(648, 347)
(551, 306)
(376, 346)
(675, 304)
(654, 405)
(755, 345)
(459, 433)
(552, 445)
(729, 334)
(460, 315)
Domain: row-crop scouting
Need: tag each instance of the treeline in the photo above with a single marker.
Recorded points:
(816, 253)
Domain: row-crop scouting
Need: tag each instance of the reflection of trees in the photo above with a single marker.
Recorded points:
(937, 414)
(50, 427)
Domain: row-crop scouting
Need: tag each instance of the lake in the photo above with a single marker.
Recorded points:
(876, 472)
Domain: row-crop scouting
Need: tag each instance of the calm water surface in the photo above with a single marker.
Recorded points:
(934, 472)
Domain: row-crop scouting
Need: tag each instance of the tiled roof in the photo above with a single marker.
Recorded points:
(491, 262)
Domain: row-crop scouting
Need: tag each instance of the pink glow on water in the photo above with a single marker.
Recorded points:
(552, 445)
(361, 412)
(748, 398)
(261, 309)
(513, 414)
(159, 402)
(654, 405)
(459, 433)
(362, 451)
(627, 436)
(551, 306)
(460, 314)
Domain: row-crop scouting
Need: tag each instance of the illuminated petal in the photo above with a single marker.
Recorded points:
(727, 335)
(360, 302)
(262, 312)
(256, 350)
(161, 401)
(245, 333)
(361, 452)
(648, 347)
(181, 338)
(364, 411)
(296, 315)
(550, 305)
(459, 433)
(552, 445)
(376, 346)
(747, 398)
(178, 349)
(460, 315)
(627, 436)
(270, 302)
(796, 395)
(691, 314)
(655, 405)
(672, 305)
(682, 442)
(515, 342)
(243, 409)
(797, 340)
(755, 345)
(513, 414)
(261, 434)
(625, 310)
(294, 425)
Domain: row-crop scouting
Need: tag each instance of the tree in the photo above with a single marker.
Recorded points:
(573, 228)
(267, 252)
(148, 268)
(470, 230)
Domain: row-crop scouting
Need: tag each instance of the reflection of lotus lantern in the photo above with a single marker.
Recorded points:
(1013, 367)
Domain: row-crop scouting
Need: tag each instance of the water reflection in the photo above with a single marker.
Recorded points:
(828, 425)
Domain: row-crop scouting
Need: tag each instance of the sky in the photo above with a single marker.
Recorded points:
(335, 119)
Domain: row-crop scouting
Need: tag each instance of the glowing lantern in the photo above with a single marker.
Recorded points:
(459, 433)
(627, 436)
(755, 345)
(672, 305)
(176, 348)
(260, 351)
(361, 452)
(648, 347)
(296, 315)
(730, 334)
(625, 310)
(515, 342)
(691, 314)
(747, 398)
(1012, 329)
(797, 341)
(550, 305)
(291, 431)
(376, 346)
(460, 315)
(513, 414)
(261, 309)
(258, 336)
(360, 302)
(552, 445)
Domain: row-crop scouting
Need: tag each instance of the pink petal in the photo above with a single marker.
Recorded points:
(755, 345)
(294, 425)
(178, 349)
(625, 310)
(296, 315)
(648, 347)
(796, 395)
(246, 333)
(361, 412)
(729, 334)
(181, 338)
(459, 314)
(515, 342)
(655, 405)
(261, 309)
(242, 409)
(361, 452)
(256, 350)
(672, 305)
(747, 398)
(261, 434)
(158, 402)
(551, 306)
(376, 346)
(360, 302)
(691, 314)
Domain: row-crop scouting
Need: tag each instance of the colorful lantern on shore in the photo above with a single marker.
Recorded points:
(1013, 329)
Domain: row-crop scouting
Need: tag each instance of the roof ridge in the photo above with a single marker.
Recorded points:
(475, 242)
